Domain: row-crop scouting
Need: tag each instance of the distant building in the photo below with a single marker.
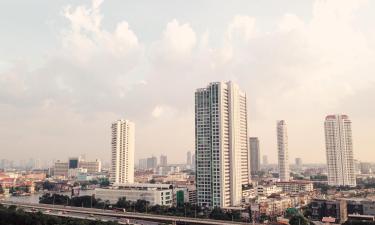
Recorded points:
(152, 162)
(366, 168)
(282, 147)
(73, 162)
(142, 164)
(265, 160)
(296, 186)
(254, 155)
(66, 169)
(339, 149)
(267, 190)
(91, 166)
(221, 143)
(163, 160)
(155, 194)
(193, 162)
(61, 169)
(122, 157)
(188, 158)
(298, 162)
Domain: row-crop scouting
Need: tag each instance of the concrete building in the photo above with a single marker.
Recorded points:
(66, 169)
(265, 160)
(188, 158)
(323, 208)
(221, 143)
(282, 147)
(267, 190)
(91, 166)
(122, 157)
(298, 162)
(361, 206)
(155, 194)
(142, 164)
(193, 162)
(152, 162)
(295, 186)
(163, 160)
(61, 169)
(254, 155)
(339, 150)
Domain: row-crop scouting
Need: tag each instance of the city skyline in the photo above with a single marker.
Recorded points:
(86, 64)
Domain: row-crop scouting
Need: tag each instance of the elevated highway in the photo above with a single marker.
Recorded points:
(127, 215)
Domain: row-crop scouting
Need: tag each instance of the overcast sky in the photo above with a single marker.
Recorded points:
(70, 68)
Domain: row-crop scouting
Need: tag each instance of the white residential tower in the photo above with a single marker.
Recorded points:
(221, 142)
(122, 158)
(282, 148)
(339, 149)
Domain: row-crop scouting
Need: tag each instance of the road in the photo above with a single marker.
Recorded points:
(77, 211)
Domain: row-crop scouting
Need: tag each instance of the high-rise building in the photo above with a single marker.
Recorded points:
(163, 160)
(142, 164)
(122, 158)
(298, 162)
(282, 148)
(339, 147)
(193, 162)
(152, 162)
(221, 142)
(265, 160)
(254, 155)
(188, 158)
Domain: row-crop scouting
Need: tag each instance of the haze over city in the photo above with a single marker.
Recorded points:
(69, 69)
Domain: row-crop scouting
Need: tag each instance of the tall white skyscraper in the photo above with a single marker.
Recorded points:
(254, 155)
(122, 158)
(339, 147)
(222, 155)
(282, 149)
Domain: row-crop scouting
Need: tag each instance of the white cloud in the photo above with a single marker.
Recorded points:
(299, 71)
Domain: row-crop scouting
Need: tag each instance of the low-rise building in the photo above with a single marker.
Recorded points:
(323, 208)
(296, 186)
(155, 194)
(267, 190)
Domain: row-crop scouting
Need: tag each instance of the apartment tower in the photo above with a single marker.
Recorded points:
(221, 142)
(339, 150)
(282, 148)
(254, 155)
(122, 158)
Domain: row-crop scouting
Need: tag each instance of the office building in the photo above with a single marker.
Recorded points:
(65, 169)
(73, 162)
(91, 166)
(282, 149)
(163, 160)
(254, 155)
(339, 150)
(122, 158)
(221, 142)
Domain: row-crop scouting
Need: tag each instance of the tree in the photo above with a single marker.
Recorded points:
(298, 220)
(218, 214)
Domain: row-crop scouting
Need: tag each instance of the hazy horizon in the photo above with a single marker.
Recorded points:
(68, 69)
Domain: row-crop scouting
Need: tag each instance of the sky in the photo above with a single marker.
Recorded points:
(68, 69)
